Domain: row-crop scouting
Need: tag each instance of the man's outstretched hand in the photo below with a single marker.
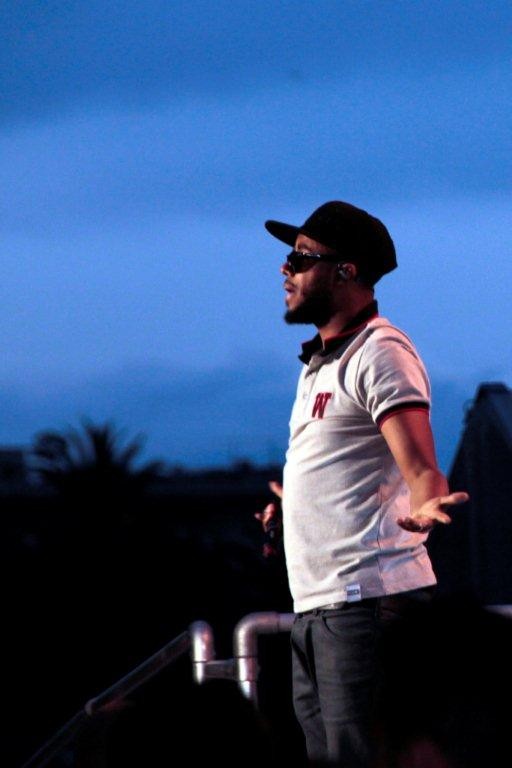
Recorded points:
(432, 512)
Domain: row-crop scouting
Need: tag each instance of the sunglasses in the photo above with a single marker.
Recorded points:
(297, 261)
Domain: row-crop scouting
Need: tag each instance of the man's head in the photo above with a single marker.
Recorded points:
(339, 254)
(351, 233)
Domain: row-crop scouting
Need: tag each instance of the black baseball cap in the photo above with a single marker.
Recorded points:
(353, 233)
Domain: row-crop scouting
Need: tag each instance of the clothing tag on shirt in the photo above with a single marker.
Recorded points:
(353, 592)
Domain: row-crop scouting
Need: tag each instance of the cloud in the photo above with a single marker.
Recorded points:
(197, 290)
(409, 137)
(201, 418)
(192, 417)
(59, 54)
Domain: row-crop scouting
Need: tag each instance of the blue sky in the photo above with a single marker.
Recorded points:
(143, 145)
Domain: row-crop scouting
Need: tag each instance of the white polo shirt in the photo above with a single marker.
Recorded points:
(342, 488)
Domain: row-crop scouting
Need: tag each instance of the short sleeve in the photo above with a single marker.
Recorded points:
(391, 376)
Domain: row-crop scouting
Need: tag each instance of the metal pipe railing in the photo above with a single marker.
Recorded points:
(63, 736)
(245, 643)
(204, 664)
(141, 674)
(109, 697)
(242, 668)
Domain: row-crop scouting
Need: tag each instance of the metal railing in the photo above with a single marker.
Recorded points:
(243, 669)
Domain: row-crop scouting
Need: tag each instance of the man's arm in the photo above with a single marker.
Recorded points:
(410, 440)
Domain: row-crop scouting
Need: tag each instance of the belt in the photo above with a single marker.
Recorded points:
(328, 607)
(331, 606)
(337, 606)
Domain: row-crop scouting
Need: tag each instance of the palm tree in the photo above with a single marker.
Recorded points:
(94, 460)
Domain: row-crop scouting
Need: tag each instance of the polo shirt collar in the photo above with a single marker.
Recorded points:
(309, 348)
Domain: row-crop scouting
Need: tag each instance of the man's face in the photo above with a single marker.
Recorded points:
(309, 292)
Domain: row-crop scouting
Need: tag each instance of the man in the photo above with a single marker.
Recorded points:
(361, 485)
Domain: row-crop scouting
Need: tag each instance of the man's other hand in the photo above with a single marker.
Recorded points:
(270, 519)
(432, 512)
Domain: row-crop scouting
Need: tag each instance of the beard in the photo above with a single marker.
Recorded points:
(315, 309)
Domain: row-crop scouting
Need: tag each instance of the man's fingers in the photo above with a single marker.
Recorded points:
(441, 517)
(267, 516)
(423, 524)
(413, 525)
(276, 488)
(459, 497)
(432, 513)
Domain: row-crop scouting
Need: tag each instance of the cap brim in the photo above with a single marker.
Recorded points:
(287, 233)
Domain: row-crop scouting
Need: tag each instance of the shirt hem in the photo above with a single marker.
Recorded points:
(341, 596)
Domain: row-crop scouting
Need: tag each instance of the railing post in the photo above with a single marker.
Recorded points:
(245, 643)
(202, 649)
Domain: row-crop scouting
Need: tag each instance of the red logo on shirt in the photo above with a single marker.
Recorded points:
(320, 402)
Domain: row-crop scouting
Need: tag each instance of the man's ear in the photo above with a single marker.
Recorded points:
(347, 271)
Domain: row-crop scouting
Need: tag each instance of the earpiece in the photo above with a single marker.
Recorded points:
(343, 272)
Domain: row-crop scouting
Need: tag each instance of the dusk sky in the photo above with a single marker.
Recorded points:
(143, 145)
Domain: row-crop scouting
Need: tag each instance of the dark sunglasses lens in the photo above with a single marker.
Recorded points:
(296, 262)
(292, 264)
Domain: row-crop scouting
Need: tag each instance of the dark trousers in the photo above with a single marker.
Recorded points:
(335, 673)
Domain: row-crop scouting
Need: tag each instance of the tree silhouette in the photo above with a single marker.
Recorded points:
(95, 460)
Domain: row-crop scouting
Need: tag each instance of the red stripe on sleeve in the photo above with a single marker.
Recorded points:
(421, 407)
